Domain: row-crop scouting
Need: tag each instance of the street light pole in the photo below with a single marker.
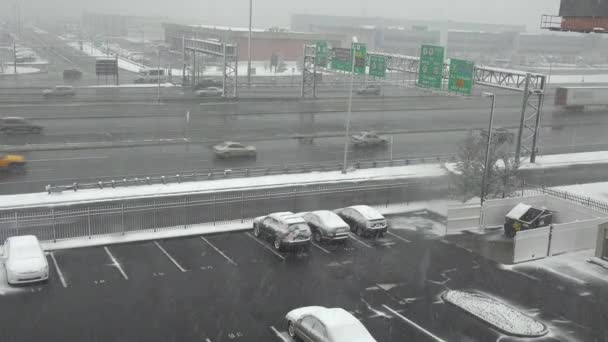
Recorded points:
(348, 114)
(249, 44)
(489, 143)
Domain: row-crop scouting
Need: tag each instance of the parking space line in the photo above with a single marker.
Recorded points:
(170, 257)
(279, 335)
(399, 237)
(115, 263)
(59, 273)
(265, 246)
(219, 251)
(405, 319)
(360, 241)
(321, 248)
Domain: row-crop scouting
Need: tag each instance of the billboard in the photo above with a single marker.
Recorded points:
(583, 8)
(106, 67)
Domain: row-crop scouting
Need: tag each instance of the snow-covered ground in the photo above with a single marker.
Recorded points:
(95, 195)
(92, 51)
(592, 78)
(492, 311)
(598, 191)
(134, 85)
(418, 223)
(563, 160)
(21, 70)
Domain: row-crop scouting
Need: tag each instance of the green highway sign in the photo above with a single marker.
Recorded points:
(377, 66)
(321, 54)
(360, 52)
(431, 66)
(341, 59)
(461, 76)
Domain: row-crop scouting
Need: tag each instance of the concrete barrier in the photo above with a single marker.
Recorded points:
(574, 236)
(463, 217)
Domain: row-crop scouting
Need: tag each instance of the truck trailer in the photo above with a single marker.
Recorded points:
(577, 98)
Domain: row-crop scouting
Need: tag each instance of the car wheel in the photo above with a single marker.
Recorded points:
(277, 244)
(256, 230)
(316, 236)
(291, 330)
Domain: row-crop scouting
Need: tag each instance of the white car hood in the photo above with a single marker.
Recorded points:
(294, 315)
(26, 265)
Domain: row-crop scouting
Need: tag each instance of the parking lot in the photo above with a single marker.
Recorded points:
(234, 287)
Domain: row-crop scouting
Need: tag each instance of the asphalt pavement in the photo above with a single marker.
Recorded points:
(234, 287)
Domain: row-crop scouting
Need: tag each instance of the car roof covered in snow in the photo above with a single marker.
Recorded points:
(368, 212)
(329, 218)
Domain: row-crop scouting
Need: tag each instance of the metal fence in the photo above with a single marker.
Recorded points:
(211, 174)
(586, 201)
(182, 212)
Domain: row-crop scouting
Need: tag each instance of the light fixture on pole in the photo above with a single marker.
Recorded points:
(488, 147)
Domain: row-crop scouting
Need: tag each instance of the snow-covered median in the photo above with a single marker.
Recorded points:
(565, 160)
(96, 195)
(502, 317)
(21, 70)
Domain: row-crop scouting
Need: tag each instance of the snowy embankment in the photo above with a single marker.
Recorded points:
(504, 318)
(8, 70)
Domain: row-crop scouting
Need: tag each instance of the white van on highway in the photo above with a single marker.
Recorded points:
(24, 260)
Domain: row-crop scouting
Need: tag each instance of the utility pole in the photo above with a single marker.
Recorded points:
(249, 44)
(15, 55)
(158, 77)
(350, 107)
(488, 148)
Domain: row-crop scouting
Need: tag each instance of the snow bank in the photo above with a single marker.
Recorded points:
(564, 160)
(592, 78)
(134, 85)
(598, 191)
(96, 195)
(90, 50)
(502, 317)
(21, 70)
(419, 224)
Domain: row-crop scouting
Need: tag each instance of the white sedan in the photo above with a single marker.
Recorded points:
(59, 91)
(24, 260)
(229, 149)
(320, 324)
(210, 91)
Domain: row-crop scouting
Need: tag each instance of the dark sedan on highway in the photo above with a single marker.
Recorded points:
(18, 125)
(285, 229)
(364, 220)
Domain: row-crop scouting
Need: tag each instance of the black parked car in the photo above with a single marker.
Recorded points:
(364, 220)
(17, 125)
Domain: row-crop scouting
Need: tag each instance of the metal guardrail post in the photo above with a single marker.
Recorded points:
(185, 206)
(295, 198)
(213, 209)
(154, 215)
(89, 221)
(242, 206)
(122, 217)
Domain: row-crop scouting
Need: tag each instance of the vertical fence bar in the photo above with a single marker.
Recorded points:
(242, 206)
(185, 206)
(53, 224)
(89, 220)
(122, 217)
(295, 198)
(213, 209)
(16, 223)
(154, 214)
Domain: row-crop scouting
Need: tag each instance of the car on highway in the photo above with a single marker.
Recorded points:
(320, 324)
(59, 91)
(285, 229)
(325, 225)
(209, 92)
(369, 89)
(24, 260)
(229, 149)
(206, 83)
(18, 125)
(364, 220)
(368, 139)
(12, 163)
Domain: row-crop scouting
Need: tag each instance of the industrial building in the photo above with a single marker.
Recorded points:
(115, 25)
(286, 44)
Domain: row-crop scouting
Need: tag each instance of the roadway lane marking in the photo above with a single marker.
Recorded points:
(115, 263)
(405, 319)
(65, 159)
(399, 237)
(170, 257)
(360, 241)
(59, 273)
(280, 335)
(219, 251)
(321, 248)
(265, 246)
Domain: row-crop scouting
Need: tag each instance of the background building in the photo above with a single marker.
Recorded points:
(113, 25)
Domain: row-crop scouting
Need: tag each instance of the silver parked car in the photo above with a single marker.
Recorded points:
(285, 229)
(366, 139)
(369, 89)
(210, 92)
(59, 91)
(18, 125)
(319, 324)
(364, 220)
(229, 149)
(326, 226)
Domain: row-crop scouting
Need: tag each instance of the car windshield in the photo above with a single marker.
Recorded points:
(158, 150)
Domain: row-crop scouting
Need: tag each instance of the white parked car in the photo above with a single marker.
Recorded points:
(59, 91)
(364, 220)
(24, 260)
(319, 324)
(365, 139)
(326, 226)
(210, 91)
(229, 149)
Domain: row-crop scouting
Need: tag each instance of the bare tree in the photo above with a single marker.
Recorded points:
(502, 174)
